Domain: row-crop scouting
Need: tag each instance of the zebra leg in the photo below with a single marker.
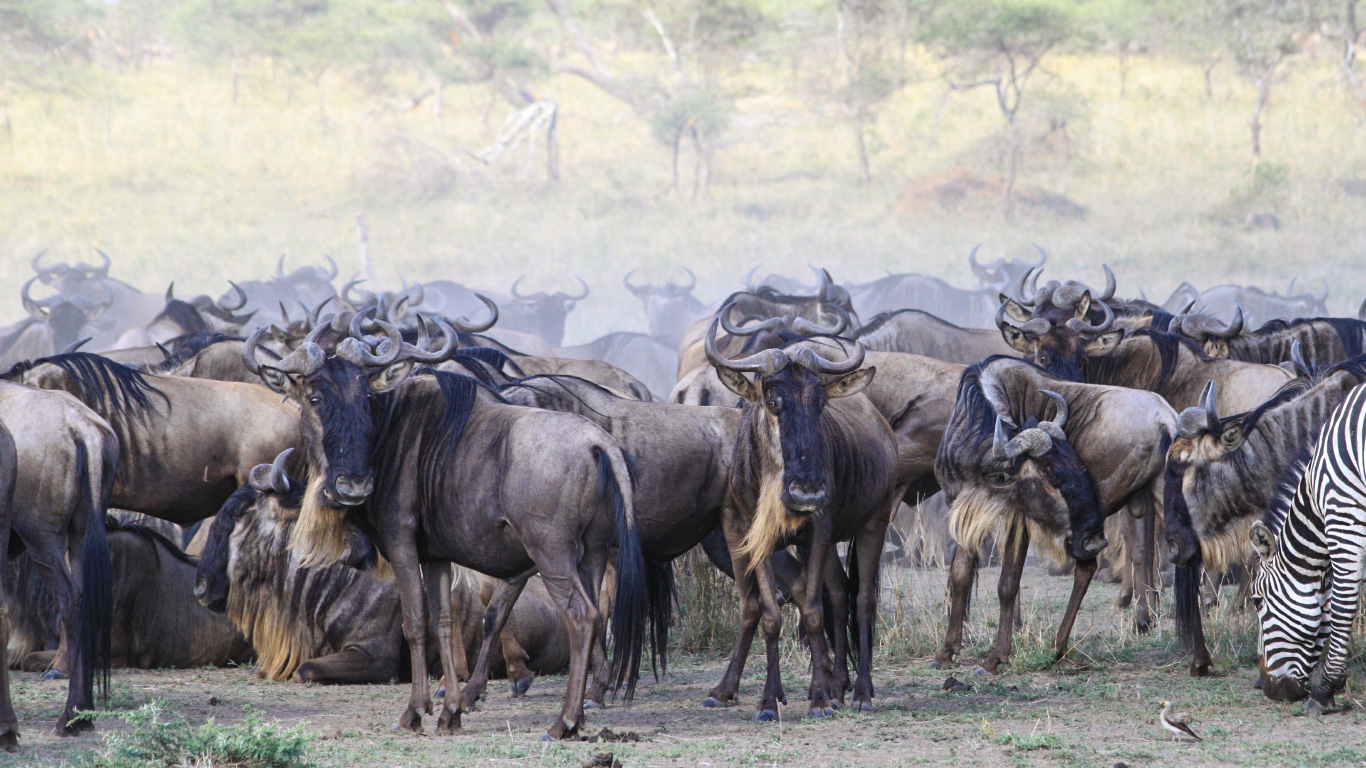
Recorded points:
(1347, 542)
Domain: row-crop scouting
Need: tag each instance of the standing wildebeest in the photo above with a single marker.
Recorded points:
(68, 456)
(93, 285)
(156, 621)
(964, 307)
(921, 333)
(1221, 473)
(1322, 341)
(541, 314)
(309, 286)
(1258, 306)
(335, 623)
(669, 308)
(436, 469)
(182, 318)
(9, 470)
(814, 464)
(186, 444)
(53, 324)
(639, 355)
(1052, 481)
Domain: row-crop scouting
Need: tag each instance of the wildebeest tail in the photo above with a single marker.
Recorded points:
(659, 584)
(631, 611)
(97, 578)
(1186, 587)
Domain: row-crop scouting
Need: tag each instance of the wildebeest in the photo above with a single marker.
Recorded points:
(156, 621)
(183, 318)
(67, 458)
(304, 286)
(186, 444)
(408, 460)
(669, 307)
(9, 470)
(639, 355)
(921, 333)
(1004, 468)
(541, 314)
(814, 464)
(1322, 341)
(964, 307)
(53, 324)
(1257, 305)
(1221, 473)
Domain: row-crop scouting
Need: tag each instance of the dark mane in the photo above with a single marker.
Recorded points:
(153, 539)
(459, 394)
(1103, 368)
(183, 315)
(186, 346)
(1288, 392)
(107, 386)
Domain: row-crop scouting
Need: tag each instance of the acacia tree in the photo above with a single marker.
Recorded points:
(1001, 44)
(683, 98)
(1260, 36)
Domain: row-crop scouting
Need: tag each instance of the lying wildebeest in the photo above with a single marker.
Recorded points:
(814, 464)
(1221, 473)
(186, 444)
(1004, 468)
(336, 623)
(425, 465)
(669, 307)
(156, 621)
(67, 458)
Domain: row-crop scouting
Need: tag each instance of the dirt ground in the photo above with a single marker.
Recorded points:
(1096, 711)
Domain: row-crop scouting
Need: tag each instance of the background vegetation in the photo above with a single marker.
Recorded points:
(198, 140)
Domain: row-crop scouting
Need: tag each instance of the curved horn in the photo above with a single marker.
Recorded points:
(423, 355)
(284, 314)
(103, 269)
(346, 291)
(170, 292)
(1043, 255)
(1060, 418)
(1110, 284)
(314, 314)
(278, 477)
(416, 294)
(34, 263)
(999, 441)
(33, 307)
(1290, 290)
(1297, 358)
(463, 324)
(166, 353)
(807, 358)
(331, 264)
(1079, 325)
(241, 299)
(692, 281)
(636, 289)
(515, 283)
(1361, 310)
(810, 329)
(249, 351)
(1037, 326)
(977, 269)
(356, 348)
(1207, 403)
(749, 278)
(280, 268)
(1017, 290)
(771, 325)
(765, 363)
(72, 347)
(1001, 321)
(1322, 297)
(581, 296)
(823, 293)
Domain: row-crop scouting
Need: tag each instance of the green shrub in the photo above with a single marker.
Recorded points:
(154, 742)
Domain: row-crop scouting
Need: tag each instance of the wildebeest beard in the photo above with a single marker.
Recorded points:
(772, 521)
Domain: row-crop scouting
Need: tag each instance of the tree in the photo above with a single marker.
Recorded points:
(684, 98)
(1260, 35)
(1001, 44)
(1125, 24)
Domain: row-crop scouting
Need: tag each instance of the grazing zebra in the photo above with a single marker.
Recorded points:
(1311, 543)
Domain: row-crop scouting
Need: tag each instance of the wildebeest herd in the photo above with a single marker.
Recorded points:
(348, 486)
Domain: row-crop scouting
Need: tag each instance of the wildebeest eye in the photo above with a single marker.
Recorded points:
(771, 404)
(998, 478)
(314, 399)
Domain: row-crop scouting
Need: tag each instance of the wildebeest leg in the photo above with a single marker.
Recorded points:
(962, 572)
(578, 606)
(402, 553)
(9, 722)
(813, 617)
(1144, 569)
(495, 618)
(1081, 581)
(61, 571)
(750, 613)
(514, 659)
(436, 578)
(592, 572)
(1013, 552)
(867, 547)
(346, 667)
(837, 586)
(1129, 530)
(771, 622)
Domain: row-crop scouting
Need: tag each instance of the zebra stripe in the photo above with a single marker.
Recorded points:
(1313, 547)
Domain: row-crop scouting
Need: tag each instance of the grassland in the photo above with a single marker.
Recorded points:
(160, 168)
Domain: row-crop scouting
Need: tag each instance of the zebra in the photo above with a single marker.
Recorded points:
(1311, 546)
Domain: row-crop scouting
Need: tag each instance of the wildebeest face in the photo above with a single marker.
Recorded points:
(792, 400)
(337, 422)
(1201, 477)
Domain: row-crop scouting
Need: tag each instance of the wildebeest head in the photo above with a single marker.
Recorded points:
(337, 399)
(1060, 339)
(990, 474)
(1212, 335)
(66, 315)
(548, 311)
(785, 402)
(1196, 461)
(1000, 273)
(71, 280)
(270, 494)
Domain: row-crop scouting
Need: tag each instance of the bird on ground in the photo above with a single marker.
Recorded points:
(1176, 722)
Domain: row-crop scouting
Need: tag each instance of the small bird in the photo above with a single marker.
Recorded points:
(1176, 722)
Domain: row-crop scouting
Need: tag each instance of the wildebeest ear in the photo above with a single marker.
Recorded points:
(277, 379)
(1105, 343)
(1263, 540)
(1083, 304)
(1017, 340)
(1014, 311)
(738, 383)
(391, 376)
(850, 383)
(1232, 436)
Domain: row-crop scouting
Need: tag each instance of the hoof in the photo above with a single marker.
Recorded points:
(937, 664)
(864, 706)
(590, 704)
(981, 672)
(766, 716)
(440, 692)
(1315, 707)
(1257, 684)
(547, 737)
(1142, 627)
(53, 674)
(520, 687)
(449, 725)
(818, 712)
(10, 741)
(1199, 670)
(711, 702)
